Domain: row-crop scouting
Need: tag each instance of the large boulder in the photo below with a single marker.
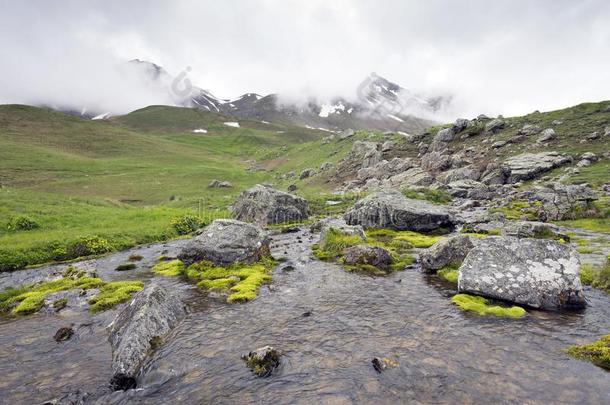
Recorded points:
(225, 242)
(391, 209)
(556, 201)
(446, 252)
(414, 176)
(528, 166)
(535, 272)
(533, 229)
(265, 205)
(325, 225)
(495, 125)
(134, 332)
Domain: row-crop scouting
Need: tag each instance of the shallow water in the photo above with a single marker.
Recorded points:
(444, 355)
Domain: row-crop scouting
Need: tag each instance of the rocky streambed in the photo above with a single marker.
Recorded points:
(329, 326)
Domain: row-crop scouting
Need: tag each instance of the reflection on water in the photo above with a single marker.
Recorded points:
(444, 355)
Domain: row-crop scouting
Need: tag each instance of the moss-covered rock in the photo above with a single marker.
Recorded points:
(263, 361)
(169, 268)
(597, 352)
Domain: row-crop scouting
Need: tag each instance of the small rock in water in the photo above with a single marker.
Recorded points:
(63, 334)
(288, 267)
(122, 382)
(307, 313)
(263, 361)
(380, 364)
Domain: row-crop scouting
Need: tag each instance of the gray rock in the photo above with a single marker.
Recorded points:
(366, 153)
(529, 129)
(482, 117)
(219, 184)
(292, 188)
(462, 173)
(528, 166)
(307, 173)
(368, 255)
(151, 315)
(325, 225)
(414, 176)
(494, 125)
(265, 205)
(387, 146)
(547, 135)
(448, 251)
(460, 124)
(556, 201)
(593, 136)
(225, 242)
(326, 166)
(444, 135)
(607, 131)
(391, 209)
(495, 175)
(535, 272)
(348, 133)
(290, 175)
(263, 361)
(589, 156)
(584, 163)
(435, 162)
(533, 229)
(499, 144)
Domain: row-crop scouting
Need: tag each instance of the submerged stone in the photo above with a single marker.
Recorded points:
(263, 361)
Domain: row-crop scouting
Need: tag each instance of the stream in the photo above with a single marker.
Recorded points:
(328, 324)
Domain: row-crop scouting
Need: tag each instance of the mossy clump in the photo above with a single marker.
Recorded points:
(402, 239)
(170, 268)
(598, 277)
(60, 304)
(449, 274)
(520, 210)
(482, 306)
(30, 299)
(125, 267)
(241, 281)
(334, 243)
(135, 258)
(427, 194)
(597, 352)
(114, 293)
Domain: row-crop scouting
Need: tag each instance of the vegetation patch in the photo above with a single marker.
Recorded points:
(427, 194)
(240, 281)
(135, 258)
(170, 268)
(402, 239)
(449, 273)
(482, 306)
(22, 223)
(598, 277)
(598, 225)
(597, 352)
(114, 293)
(520, 210)
(186, 224)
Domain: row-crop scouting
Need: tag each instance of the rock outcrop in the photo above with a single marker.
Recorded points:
(265, 205)
(391, 209)
(225, 242)
(535, 272)
(556, 201)
(528, 166)
(446, 252)
(219, 184)
(152, 314)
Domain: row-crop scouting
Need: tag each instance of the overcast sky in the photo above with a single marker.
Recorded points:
(496, 57)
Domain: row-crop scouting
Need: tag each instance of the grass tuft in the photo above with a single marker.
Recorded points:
(172, 268)
(597, 352)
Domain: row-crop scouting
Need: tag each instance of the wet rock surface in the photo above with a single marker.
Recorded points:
(152, 314)
(446, 252)
(531, 165)
(263, 361)
(226, 241)
(534, 272)
(265, 205)
(368, 255)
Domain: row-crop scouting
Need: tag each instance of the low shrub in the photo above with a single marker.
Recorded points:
(186, 224)
(88, 246)
(22, 223)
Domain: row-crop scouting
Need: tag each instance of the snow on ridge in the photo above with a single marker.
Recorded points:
(200, 131)
(101, 116)
(396, 118)
(327, 109)
(232, 124)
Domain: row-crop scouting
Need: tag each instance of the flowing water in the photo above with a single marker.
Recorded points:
(329, 325)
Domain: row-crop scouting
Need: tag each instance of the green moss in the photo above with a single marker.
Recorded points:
(482, 306)
(22, 223)
(113, 294)
(586, 250)
(125, 267)
(448, 274)
(60, 304)
(433, 196)
(597, 352)
(599, 225)
(335, 242)
(172, 268)
(598, 277)
(186, 224)
(519, 209)
(240, 280)
(30, 299)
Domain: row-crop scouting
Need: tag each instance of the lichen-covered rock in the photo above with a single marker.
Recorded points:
(391, 209)
(263, 361)
(535, 272)
(226, 241)
(152, 314)
(368, 255)
(547, 135)
(444, 135)
(219, 184)
(494, 125)
(446, 252)
(307, 173)
(265, 205)
(414, 176)
(528, 166)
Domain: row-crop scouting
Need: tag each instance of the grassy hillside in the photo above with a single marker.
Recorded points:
(125, 179)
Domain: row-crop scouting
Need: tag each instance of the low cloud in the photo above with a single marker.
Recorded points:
(501, 57)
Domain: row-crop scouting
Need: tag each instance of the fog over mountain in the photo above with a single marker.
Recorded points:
(501, 57)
